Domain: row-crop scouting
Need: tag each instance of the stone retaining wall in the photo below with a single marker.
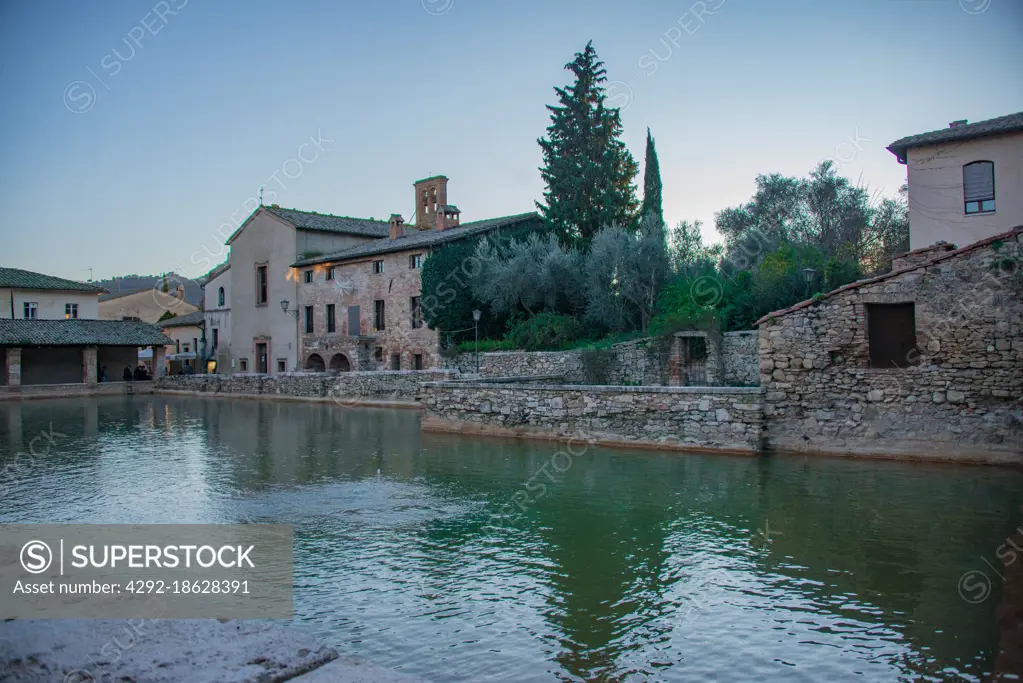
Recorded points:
(721, 419)
(389, 385)
(650, 361)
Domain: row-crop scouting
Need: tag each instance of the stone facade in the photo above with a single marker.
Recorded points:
(739, 353)
(345, 387)
(679, 418)
(357, 283)
(958, 398)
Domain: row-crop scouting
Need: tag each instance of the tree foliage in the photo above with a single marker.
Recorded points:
(587, 169)
(653, 191)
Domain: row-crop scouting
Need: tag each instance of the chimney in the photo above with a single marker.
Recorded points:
(397, 226)
(431, 194)
(446, 217)
(956, 124)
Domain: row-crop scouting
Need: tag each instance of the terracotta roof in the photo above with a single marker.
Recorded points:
(325, 222)
(1011, 123)
(217, 270)
(193, 319)
(80, 332)
(1011, 234)
(15, 278)
(419, 239)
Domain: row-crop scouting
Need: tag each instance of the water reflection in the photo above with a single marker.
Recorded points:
(631, 566)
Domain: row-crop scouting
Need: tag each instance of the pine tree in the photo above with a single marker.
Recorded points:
(588, 170)
(652, 188)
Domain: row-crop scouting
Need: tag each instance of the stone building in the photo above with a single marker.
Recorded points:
(217, 319)
(924, 362)
(359, 308)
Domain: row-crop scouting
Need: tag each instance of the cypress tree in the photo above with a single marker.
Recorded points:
(652, 188)
(588, 170)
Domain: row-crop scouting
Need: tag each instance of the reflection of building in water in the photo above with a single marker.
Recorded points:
(1009, 663)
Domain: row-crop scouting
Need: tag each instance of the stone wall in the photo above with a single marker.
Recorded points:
(958, 399)
(679, 418)
(739, 352)
(401, 385)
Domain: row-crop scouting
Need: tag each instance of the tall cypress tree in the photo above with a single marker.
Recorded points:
(587, 168)
(652, 189)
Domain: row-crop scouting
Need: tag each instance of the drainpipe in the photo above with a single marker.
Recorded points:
(12, 304)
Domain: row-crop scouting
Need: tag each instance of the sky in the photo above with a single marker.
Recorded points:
(135, 134)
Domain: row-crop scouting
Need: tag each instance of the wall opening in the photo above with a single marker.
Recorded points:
(891, 335)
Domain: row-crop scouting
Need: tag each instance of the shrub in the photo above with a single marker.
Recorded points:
(544, 332)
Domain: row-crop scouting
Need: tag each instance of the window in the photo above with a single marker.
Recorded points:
(177, 346)
(70, 311)
(220, 297)
(417, 313)
(330, 273)
(415, 261)
(308, 275)
(185, 349)
(378, 315)
(130, 317)
(244, 363)
(282, 365)
(378, 354)
(979, 187)
(216, 338)
(308, 319)
(31, 310)
(396, 361)
(417, 361)
(378, 267)
(331, 324)
(195, 344)
(891, 335)
(261, 286)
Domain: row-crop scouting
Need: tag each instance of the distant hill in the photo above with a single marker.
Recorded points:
(133, 283)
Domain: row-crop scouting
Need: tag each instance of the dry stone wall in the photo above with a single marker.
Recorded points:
(961, 400)
(739, 353)
(684, 418)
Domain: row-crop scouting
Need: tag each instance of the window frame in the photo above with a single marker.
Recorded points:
(331, 316)
(980, 201)
(221, 297)
(70, 311)
(415, 261)
(282, 365)
(310, 319)
(307, 276)
(30, 310)
(378, 267)
(379, 315)
(416, 312)
(262, 284)
(330, 273)
(243, 364)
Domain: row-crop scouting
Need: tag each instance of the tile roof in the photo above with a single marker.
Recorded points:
(188, 319)
(325, 222)
(1009, 235)
(216, 272)
(419, 239)
(80, 332)
(16, 278)
(1011, 123)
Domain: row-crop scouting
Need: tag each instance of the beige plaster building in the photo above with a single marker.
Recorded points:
(34, 296)
(146, 305)
(217, 319)
(186, 333)
(965, 181)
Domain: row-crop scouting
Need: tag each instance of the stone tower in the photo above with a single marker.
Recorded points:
(432, 209)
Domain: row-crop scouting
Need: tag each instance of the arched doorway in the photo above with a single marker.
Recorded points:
(340, 363)
(314, 363)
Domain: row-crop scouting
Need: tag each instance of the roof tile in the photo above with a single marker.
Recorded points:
(80, 332)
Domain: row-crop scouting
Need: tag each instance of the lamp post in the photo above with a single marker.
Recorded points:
(476, 323)
(808, 276)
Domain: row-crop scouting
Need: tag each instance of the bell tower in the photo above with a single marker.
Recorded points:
(431, 196)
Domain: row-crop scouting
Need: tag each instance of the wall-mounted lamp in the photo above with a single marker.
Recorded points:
(284, 307)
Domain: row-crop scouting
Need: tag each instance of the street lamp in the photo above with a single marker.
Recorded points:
(284, 307)
(476, 323)
(809, 274)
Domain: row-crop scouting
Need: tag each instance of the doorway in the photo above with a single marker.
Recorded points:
(261, 353)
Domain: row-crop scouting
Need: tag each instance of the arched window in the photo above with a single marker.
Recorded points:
(220, 296)
(979, 187)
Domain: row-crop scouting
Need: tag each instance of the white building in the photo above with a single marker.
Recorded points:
(35, 296)
(965, 181)
(217, 314)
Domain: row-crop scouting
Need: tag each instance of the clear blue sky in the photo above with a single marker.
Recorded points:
(186, 118)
